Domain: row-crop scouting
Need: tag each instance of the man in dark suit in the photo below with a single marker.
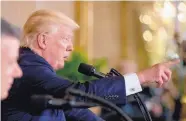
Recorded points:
(46, 45)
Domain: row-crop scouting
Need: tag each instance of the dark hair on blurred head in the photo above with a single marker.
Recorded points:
(8, 29)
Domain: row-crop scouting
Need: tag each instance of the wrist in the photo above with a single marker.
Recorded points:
(141, 77)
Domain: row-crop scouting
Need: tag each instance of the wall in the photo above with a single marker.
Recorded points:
(17, 12)
(107, 31)
(107, 39)
(67, 7)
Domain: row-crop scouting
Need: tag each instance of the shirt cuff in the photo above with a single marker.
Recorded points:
(132, 84)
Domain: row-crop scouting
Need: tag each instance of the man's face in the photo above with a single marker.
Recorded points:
(9, 66)
(59, 47)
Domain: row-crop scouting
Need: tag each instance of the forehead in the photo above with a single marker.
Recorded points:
(66, 31)
(10, 44)
(8, 40)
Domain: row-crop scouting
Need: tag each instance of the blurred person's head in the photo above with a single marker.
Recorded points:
(183, 46)
(9, 56)
(49, 34)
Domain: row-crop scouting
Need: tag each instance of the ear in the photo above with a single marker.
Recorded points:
(41, 41)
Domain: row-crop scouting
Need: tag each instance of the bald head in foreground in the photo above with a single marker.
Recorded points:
(9, 56)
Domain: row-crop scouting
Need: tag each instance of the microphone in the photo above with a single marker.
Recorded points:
(48, 101)
(89, 70)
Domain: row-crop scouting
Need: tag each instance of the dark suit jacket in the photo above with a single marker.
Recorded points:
(40, 78)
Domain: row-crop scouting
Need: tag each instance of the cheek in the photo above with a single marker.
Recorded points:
(5, 66)
(62, 48)
(6, 77)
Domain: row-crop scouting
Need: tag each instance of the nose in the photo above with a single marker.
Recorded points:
(70, 47)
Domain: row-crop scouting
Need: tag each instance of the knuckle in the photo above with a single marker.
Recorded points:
(159, 79)
(159, 73)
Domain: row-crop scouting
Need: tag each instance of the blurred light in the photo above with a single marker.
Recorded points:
(162, 33)
(147, 36)
(172, 55)
(183, 100)
(141, 18)
(157, 7)
(182, 7)
(169, 10)
(153, 26)
(147, 19)
(149, 48)
(182, 17)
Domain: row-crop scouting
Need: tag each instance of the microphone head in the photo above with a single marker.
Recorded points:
(86, 69)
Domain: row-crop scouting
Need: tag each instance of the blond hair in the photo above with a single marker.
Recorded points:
(44, 21)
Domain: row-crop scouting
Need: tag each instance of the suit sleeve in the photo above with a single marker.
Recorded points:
(81, 115)
(43, 80)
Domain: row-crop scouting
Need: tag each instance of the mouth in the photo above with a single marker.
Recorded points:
(66, 58)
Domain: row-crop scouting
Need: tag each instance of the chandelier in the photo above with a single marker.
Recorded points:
(160, 23)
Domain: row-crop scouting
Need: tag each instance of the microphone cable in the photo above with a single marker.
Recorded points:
(141, 105)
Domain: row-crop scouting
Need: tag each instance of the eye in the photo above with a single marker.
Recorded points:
(66, 39)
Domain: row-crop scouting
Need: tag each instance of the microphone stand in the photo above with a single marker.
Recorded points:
(141, 105)
(89, 70)
(99, 100)
(48, 101)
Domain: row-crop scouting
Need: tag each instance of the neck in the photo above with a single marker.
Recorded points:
(37, 51)
(45, 56)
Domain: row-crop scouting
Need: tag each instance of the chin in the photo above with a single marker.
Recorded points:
(4, 95)
(60, 66)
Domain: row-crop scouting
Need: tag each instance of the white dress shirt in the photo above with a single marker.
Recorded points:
(132, 84)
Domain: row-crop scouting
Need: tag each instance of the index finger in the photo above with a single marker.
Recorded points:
(172, 62)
